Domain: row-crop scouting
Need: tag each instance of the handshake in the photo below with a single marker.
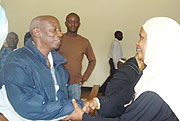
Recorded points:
(89, 107)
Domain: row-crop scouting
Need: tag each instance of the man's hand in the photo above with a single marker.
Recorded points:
(90, 106)
(82, 81)
(76, 114)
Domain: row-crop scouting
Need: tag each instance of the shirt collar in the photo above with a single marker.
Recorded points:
(54, 57)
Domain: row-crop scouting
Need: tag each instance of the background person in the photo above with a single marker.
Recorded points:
(116, 52)
(73, 48)
(9, 46)
(12, 40)
(26, 37)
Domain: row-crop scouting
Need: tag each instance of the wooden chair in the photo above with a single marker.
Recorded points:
(94, 91)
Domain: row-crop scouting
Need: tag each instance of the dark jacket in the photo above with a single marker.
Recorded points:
(30, 87)
(120, 89)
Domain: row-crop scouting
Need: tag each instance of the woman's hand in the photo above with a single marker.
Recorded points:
(90, 106)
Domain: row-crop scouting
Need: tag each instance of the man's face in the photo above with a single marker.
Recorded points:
(50, 33)
(12, 41)
(119, 36)
(72, 23)
(141, 44)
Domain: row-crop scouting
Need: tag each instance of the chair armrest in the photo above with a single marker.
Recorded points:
(94, 91)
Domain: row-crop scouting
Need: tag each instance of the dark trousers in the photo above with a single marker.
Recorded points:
(112, 68)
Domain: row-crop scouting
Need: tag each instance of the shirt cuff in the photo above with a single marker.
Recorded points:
(97, 100)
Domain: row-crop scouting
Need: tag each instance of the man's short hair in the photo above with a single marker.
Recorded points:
(118, 35)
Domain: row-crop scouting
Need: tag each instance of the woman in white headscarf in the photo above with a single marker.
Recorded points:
(162, 57)
(157, 92)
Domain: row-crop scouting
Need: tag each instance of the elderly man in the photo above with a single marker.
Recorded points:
(34, 79)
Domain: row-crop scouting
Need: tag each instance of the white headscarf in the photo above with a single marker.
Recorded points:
(162, 57)
(3, 26)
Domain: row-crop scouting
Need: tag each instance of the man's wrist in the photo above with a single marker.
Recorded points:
(82, 81)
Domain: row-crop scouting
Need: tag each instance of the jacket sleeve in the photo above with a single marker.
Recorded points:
(126, 75)
(27, 100)
(123, 77)
(119, 91)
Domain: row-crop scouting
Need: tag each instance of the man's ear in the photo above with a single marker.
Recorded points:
(36, 32)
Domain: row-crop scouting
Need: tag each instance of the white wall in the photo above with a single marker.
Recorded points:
(99, 20)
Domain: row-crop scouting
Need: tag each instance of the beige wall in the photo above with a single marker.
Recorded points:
(99, 20)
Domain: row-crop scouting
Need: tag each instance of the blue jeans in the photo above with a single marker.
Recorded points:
(74, 91)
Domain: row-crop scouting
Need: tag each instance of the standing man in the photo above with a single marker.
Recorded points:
(73, 48)
(116, 52)
(34, 80)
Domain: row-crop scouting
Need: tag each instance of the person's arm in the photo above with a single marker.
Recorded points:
(126, 75)
(115, 55)
(79, 115)
(26, 100)
(149, 106)
(107, 106)
(119, 90)
(91, 62)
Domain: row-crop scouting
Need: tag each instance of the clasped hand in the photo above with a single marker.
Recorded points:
(77, 114)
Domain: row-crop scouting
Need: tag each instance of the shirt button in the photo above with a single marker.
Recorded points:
(43, 102)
